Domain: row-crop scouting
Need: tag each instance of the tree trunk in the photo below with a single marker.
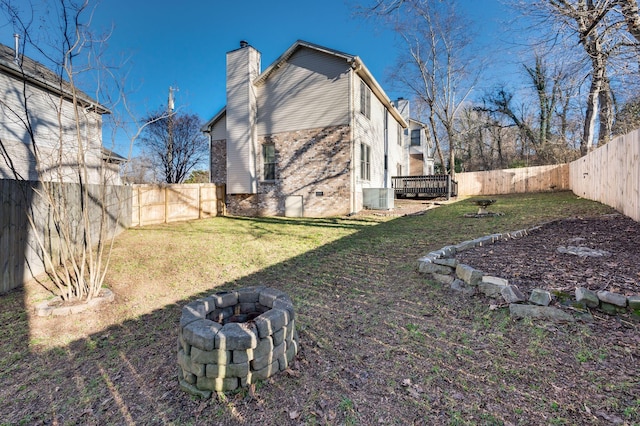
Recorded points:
(597, 81)
(606, 113)
(436, 139)
(630, 12)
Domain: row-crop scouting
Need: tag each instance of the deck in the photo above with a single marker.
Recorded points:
(432, 186)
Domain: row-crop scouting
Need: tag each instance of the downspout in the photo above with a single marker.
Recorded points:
(386, 147)
(352, 119)
(208, 133)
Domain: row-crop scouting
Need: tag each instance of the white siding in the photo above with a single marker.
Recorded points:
(53, 123)
(243, 65)
(372, 132)
(308, 91)
(396, 150)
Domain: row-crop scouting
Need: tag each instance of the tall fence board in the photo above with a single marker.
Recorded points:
(511, 181)
(21, 257)
(155, 204)
(611, 175)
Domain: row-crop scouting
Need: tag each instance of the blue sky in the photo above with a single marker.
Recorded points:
(183, 44)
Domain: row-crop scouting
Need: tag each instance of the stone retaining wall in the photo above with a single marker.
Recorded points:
(232, 339)
(442, 266)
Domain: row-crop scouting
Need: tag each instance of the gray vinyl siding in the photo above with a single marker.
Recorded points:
(54, 128)
(219, 129)
(308, 91)
(243, 65)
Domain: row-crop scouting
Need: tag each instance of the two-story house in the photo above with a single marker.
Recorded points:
(418, 151)
(306, 136)
(45, 124)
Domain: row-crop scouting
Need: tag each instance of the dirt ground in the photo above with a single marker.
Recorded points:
(534, 261)
(379, 344)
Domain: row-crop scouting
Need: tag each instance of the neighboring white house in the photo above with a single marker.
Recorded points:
(305, 137)
(418, 150)
(40, 129)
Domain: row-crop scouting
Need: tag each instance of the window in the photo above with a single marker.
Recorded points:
(365, 100)
(365, 162)
(415, 137)
(398, 170)
(269, 161)
(399, 135)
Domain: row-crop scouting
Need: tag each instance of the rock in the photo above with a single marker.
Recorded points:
(611, 309)
(616, 299)
(634, 302)
(540, 297)
(519, 311)
(270, 322)
(465, 245)
(464, 288)
(186, 387)
(512, 294)
(450, 262)
(269, 295)
(587, 297)
(443, 278)
(431, 268)
(201, 333)
(469, 274)
(492, 286)
(582, 251)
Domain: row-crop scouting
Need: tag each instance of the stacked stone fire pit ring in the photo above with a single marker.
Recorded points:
(234, 338)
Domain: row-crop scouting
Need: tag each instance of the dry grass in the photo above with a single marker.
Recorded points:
(379, 343)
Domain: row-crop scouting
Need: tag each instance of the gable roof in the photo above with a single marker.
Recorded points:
(40, 76)
(356, 64)
(354, 61)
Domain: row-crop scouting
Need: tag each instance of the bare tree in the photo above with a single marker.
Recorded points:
(627, 117)
(543, 123)
(140, 169)
(597, 26)
(55, 146)
(176, 143)
(436, 65)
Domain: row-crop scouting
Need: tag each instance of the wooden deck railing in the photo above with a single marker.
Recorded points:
(426, 186)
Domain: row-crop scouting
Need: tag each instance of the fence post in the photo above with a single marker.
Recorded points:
(166, 204)
(199, 201)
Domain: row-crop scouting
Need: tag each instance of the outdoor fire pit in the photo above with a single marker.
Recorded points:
(234, 338)
(482, 208)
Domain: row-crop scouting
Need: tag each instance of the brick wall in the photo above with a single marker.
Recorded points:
(311, 163)
(219, 162)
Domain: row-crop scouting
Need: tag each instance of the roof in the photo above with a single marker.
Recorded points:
(356, 64)
(39, 75)
(111, 156)
(207, 126)
(418, 122)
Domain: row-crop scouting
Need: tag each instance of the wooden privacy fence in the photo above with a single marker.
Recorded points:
(155, 204)
(611, 175)
(511, 181)
(21, 257)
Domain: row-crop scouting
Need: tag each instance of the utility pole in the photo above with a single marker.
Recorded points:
(170, 107)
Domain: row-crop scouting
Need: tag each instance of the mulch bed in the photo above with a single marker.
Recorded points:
(534, 262)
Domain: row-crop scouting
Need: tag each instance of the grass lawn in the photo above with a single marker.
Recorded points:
(380, 344)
